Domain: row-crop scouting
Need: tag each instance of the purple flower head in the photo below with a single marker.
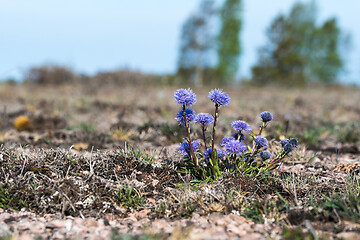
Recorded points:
(265, 155)
(289, 144)
(184, 147)
(219, 98)
(185, 97)
(294, 142)
(235, 147)
(204, 119)
(288, 147)
(241, 126)
(261, 141)
(266, 116)
(284, 141)
(189, 115)
(225, 140)
(220, 153)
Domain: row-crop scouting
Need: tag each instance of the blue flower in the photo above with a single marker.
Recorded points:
(241, 126)
(225, 140)
(289, 144)
(284, 141)
(185, 97)
(294, 142)
(265, 155)
(220, 153)
(204, 119)
(184, 147)
(266, 116)
(189, 115)
(219, 98)
(261, 141)
(288, 147)
(235, 147)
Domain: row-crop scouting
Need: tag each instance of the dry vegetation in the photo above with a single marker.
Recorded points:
(109, 154)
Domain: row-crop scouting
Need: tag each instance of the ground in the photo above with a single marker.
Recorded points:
(101, 162)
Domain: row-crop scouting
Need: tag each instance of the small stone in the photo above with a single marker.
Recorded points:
(90, 222)
(9, 219)
(235, 230)
(160, 224)
(252, 236)
(238, 219)
(24, 236)
(58, 235)
(37, 229)
(348, 235)
(55, 224)
(142, 214)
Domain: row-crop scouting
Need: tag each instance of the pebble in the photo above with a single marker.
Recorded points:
(213, 226)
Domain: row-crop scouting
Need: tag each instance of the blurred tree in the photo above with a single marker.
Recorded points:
(229, 47)
(298, 51)
(50, 74)
(197, 44)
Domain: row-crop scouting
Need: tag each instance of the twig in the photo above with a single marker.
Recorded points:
(311, 229)
(6, 175)
(25, 162)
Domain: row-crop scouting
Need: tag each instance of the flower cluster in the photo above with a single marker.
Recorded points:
(235, 147)
(189, 115)
(237, 152)
(289, 144)
(185, 97)
(184, 147)
(219, 98)
(260, 141)
(266, 116)
(204, 119)
(241, 126)
(221, 153)
(265, 155)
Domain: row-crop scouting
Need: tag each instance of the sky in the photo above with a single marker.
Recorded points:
(93, 35)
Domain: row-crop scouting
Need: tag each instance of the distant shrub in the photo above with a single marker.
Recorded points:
(126, 77)
(50, 74)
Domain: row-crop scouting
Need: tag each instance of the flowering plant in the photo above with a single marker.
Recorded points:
(204, 160)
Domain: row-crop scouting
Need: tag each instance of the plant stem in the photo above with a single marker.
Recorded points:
(192, 153)
(275, 161)
(204, 137)
(261, 129)
(214, 166)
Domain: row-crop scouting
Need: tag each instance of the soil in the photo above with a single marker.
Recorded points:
(101, 162)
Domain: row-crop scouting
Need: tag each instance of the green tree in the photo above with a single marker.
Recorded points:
(298, 50)
(197, 44)
(229, 47)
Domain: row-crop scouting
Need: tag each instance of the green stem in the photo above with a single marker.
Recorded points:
(261, 129)
(192, 153)
(275, 161)
(214, 166)
(204, 136)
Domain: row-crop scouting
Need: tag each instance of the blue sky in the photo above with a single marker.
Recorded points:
(94, 35)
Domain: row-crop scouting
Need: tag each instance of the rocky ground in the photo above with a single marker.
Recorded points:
(101, 163)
